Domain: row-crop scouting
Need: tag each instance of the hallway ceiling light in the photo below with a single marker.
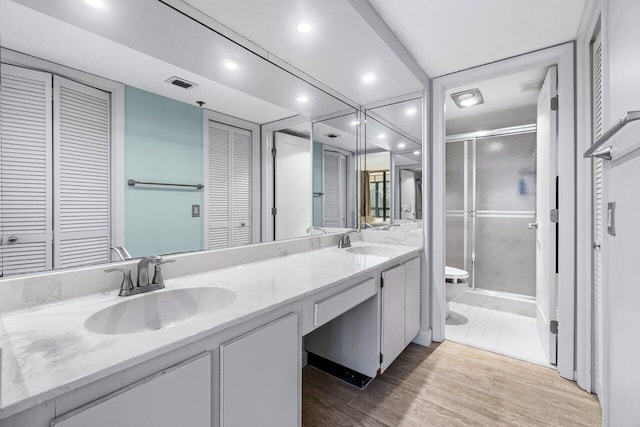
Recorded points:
(98, 4)
(354, 123)
(411, 111)
(302, 98)
(304, 26)
(417, 152)
(467, 98)
(369, 77)
(229, 64)
(402, 145)
(381, 136)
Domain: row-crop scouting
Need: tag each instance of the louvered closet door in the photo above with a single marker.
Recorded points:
(218, 217)
(335, 189)
(598, 214)
(229, 192)
(81, 135)
(25, 170)
(241, 187)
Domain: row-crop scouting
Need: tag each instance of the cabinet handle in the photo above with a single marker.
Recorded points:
(12, 239)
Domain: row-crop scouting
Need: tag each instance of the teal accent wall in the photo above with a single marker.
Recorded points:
(163, 142)
(318, 159)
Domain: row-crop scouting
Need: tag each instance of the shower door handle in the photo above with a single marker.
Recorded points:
(533, 225)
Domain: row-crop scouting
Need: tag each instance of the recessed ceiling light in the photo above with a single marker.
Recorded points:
(354, 123)
(304, 26)
(229, 64)
(411, 111)
(468, 98)
(98, 4)
(381, 136)
(302, 98)
(402, 145)
(417, 152)
(369, 77)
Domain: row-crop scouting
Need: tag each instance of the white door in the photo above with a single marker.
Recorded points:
(25, 171)
(335, 189)
(546, 292)
(81, 174)
(293, 186)
(393, 315)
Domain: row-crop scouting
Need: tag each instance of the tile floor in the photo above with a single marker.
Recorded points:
(510, 334)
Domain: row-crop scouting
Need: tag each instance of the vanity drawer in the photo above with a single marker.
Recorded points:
(333, 306)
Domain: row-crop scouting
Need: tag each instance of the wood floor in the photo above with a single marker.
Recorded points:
(450, 384)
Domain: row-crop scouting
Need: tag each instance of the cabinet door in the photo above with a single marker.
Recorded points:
(412, 300)
(259, 376)
(178, 396)
(393, 315)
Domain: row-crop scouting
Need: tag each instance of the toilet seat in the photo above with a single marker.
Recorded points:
(455, 274)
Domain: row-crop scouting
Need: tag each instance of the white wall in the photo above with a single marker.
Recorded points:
(621, 404)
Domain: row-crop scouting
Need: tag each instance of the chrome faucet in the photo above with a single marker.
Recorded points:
(143, 285)
(314, 227)
(345, 239)
(388, 227)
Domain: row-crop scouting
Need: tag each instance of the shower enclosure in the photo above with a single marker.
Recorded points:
(490, 209)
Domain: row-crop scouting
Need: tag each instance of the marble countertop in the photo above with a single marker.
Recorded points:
(47, 351)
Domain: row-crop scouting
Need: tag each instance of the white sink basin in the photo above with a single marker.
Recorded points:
(370, 250)
(158, 310)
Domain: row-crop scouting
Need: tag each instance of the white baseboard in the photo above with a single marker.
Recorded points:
(423, 338)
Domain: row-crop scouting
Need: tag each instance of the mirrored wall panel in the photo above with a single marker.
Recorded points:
(392, 164)
(155, 139)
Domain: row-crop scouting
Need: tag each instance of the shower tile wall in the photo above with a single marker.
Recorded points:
(498, 180)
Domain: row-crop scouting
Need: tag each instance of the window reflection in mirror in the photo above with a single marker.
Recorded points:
(392, 170)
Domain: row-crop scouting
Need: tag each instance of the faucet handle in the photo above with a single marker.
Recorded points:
(127, 284)
(157, 272)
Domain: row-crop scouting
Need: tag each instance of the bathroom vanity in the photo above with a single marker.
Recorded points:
(234, 359)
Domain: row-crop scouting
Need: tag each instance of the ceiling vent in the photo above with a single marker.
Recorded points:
(180, 82)
(332, 135)
(531, 85)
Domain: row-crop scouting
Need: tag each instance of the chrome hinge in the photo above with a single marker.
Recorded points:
(553, 215)
(274, 211)
(554, 327)
(274, 152)
(381, 282)
(554, 103)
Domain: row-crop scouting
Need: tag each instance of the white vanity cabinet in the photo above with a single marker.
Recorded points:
(260, 376)
(177, 396)
(400, 313)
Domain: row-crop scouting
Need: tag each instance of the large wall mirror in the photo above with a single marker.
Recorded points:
(391, 189)
(157, 141)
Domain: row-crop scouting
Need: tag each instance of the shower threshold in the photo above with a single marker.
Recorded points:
(502, 301)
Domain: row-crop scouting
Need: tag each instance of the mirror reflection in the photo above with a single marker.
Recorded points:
(392, 170)
(155, 140)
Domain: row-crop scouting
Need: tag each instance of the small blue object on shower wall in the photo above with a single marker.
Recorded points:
(163, 143)
(522, 187)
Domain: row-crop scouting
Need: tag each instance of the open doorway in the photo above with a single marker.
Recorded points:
(500, 162)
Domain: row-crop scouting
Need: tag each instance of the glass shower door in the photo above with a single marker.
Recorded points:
(505, 203)
(456, 204)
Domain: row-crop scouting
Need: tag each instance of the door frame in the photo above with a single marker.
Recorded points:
(563, 56)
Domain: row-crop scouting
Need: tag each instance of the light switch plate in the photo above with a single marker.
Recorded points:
(195, 211)
(611, 218)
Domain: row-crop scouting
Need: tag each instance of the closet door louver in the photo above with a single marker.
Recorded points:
(241, 187)
(335, 189)
(229, 194)
(81, 140)
(25, 171)
(598, 213)
(218, 216)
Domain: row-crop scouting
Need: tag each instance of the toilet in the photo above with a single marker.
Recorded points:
(456, 285)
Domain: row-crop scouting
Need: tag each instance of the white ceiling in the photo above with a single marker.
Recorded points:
(445, 36)
(130, 43)
(504, 104)
(342, 48)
